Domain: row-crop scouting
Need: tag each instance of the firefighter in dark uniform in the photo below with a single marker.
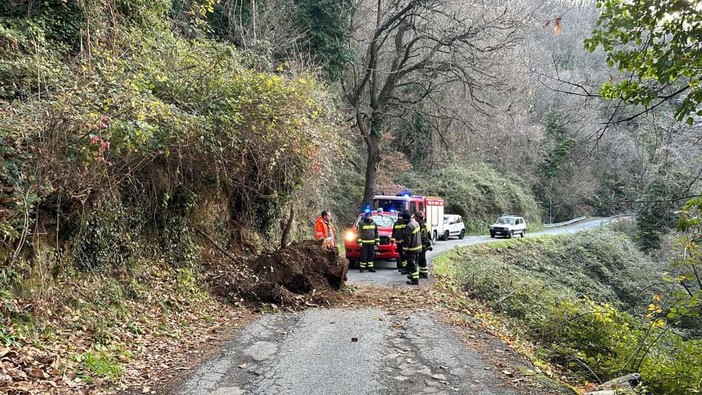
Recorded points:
(397, 229)
(412, 245)
(426, 245)
(368, 238)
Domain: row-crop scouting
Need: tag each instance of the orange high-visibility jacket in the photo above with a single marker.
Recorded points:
(322, 229)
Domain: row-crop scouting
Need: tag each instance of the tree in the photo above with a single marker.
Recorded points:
(326, 31)
(410, 50)
(557, 169)
(305, 31)
(655, 212)
(688, 274)
(659, 43)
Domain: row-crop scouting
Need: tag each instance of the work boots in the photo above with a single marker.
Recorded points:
(413, 282)
(371, 270)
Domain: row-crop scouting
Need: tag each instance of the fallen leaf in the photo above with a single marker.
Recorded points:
(37, 373)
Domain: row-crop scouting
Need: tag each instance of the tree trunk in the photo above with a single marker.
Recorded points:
(287, 226)
(373, 145)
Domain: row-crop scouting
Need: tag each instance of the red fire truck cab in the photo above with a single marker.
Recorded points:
(432, 207)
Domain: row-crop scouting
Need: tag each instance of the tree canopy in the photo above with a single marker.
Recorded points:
(658, 45)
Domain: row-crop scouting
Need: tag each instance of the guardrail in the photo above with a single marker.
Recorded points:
(617, 218)
(564, 223)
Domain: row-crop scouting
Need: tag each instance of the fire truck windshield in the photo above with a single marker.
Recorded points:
(383, 221)
(389, 204)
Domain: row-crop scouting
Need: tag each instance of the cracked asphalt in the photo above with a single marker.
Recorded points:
(354, 351)
(339, 351)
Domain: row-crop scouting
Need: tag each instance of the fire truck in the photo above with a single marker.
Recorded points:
(432, 207)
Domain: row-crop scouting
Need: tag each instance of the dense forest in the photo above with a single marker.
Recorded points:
(131, 128)
(497, 108)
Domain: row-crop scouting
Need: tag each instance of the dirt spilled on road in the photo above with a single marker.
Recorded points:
(301, 274)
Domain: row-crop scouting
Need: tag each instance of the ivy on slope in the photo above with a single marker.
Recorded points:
(150, 122)
(587, 300)
(480, 194)
(122, 134)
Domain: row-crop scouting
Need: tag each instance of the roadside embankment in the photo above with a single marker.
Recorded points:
(584, 302)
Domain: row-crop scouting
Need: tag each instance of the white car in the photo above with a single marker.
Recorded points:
(453, 226)
(509, 226)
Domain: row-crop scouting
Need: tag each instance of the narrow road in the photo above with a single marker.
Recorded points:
(391, 277)
(357, 351)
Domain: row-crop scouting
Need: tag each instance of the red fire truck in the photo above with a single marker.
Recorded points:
(386, 209)
(432, 207)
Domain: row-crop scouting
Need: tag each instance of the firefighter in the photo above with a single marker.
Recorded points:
(397, 229)
(368, 239)
(412, 245)
(426, 245)
(324, 231)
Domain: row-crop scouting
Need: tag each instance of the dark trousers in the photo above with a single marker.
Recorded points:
(401, 261)
(422, 263)
(412, 270)
(367, 255)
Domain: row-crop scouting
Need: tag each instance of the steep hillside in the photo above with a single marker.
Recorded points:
(480, 194)
(143, 167)
(590, 301)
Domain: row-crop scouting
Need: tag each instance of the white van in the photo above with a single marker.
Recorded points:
(453, 226)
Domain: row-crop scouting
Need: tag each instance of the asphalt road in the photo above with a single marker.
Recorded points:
(354, 351)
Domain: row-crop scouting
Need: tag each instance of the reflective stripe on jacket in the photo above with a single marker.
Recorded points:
(368, 233)
(424, 232)
(397, 230)
(411, 237)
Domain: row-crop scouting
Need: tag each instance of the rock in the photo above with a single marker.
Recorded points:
(623, 385)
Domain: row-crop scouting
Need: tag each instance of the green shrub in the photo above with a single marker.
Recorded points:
(480, 194)
(121, 156)
(99, 363)
(589, 337)
(582, 297)
(603, 264)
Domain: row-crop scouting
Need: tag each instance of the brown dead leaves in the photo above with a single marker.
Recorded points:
(60, 342)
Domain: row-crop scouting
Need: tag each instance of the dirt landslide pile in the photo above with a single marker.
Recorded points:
(300, 274)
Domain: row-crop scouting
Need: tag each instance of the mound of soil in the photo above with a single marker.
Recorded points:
(301, 273)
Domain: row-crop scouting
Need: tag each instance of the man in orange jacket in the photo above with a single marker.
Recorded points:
(324, 230)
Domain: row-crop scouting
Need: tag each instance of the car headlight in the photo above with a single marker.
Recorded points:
(350, 236)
